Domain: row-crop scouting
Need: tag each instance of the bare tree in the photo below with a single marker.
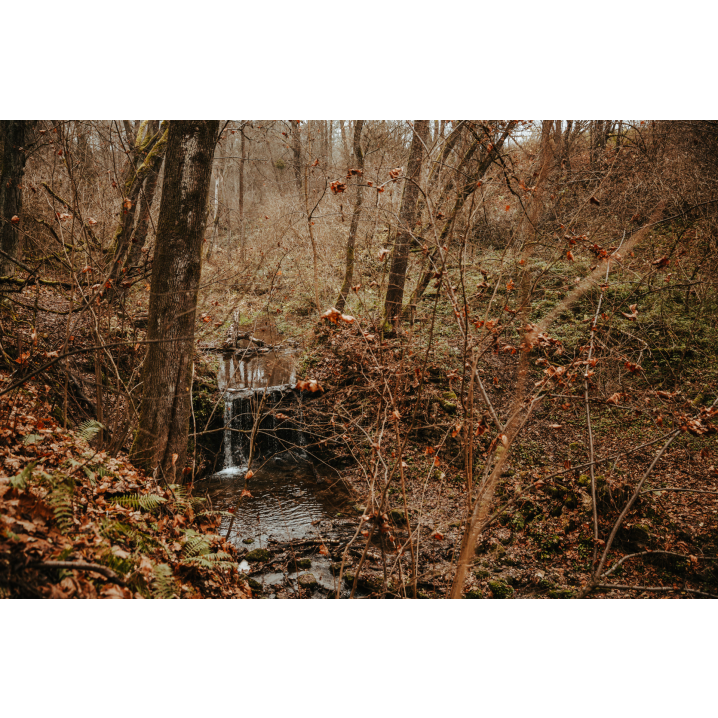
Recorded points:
(358, 171)
(407, 219)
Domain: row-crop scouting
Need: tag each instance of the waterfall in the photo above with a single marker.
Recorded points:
(274, 438)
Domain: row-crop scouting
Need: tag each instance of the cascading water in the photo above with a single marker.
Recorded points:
(289, 500)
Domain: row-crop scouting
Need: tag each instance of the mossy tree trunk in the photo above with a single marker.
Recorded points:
(15, 136)
(149, 149)
(407, 222)
(351, 241)
(139, 236)
(161, 441)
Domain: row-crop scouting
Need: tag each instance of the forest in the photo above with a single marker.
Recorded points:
(358, 359)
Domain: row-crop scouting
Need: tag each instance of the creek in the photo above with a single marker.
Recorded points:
(294, 509)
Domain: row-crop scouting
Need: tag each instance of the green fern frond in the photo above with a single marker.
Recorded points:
(88, 429)
(146, 502)
(196, 545)
(20, 480)
(61, 502)
(163, 583)
(212, 560)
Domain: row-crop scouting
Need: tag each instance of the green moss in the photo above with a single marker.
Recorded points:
(259, 555)
(499, 589)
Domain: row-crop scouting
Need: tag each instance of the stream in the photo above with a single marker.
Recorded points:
(294, 508)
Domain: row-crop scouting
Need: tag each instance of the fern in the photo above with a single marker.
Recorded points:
(88, 429)
(163, 583)
(146, 502)
(61, 502)
(20, 480)
(196, 544)
(217, 560)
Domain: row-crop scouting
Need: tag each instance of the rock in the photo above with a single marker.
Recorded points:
(397, 516)
(584, 480)
(307, 580)
(586, 502)
(448, 406)
(449, 395)
(358, 508)
(304, 563)
(248, 540)
(254, 584)
(499, 589)
(482, 573)
(476, 593)
(504, 536)
(259, 554)
(561, 593)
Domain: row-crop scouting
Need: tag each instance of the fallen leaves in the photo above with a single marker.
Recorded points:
(633, 315)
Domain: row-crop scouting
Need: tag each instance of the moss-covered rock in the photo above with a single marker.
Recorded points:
(304, 563)
(258, 555)
(561, 593)
(476, 593)
(307, 580)
(248, 540)
(499, 589)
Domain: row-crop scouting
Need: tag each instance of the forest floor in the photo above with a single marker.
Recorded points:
(64, 501)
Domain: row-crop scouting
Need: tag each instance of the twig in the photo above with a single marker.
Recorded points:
(654, 589)
(82, 566)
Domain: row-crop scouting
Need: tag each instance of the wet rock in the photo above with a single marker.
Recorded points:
(499, 589)
(259, 555)
(307, 580)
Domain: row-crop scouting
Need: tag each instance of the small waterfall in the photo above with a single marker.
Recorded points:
(274, 437)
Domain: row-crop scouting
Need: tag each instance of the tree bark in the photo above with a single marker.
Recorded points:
(139, 236)
(161, 441)
(297, 152)
(407, 219)
(15, 137)
(349, 271)
(152, 147)
(241, 198)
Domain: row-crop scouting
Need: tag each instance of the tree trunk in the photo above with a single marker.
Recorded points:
(152, 146)
(139, 236)
(466, 190)
(161, 441)
(15, 137)
(407, 219)
(349, 271)
(297, 152)
(241, 198)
